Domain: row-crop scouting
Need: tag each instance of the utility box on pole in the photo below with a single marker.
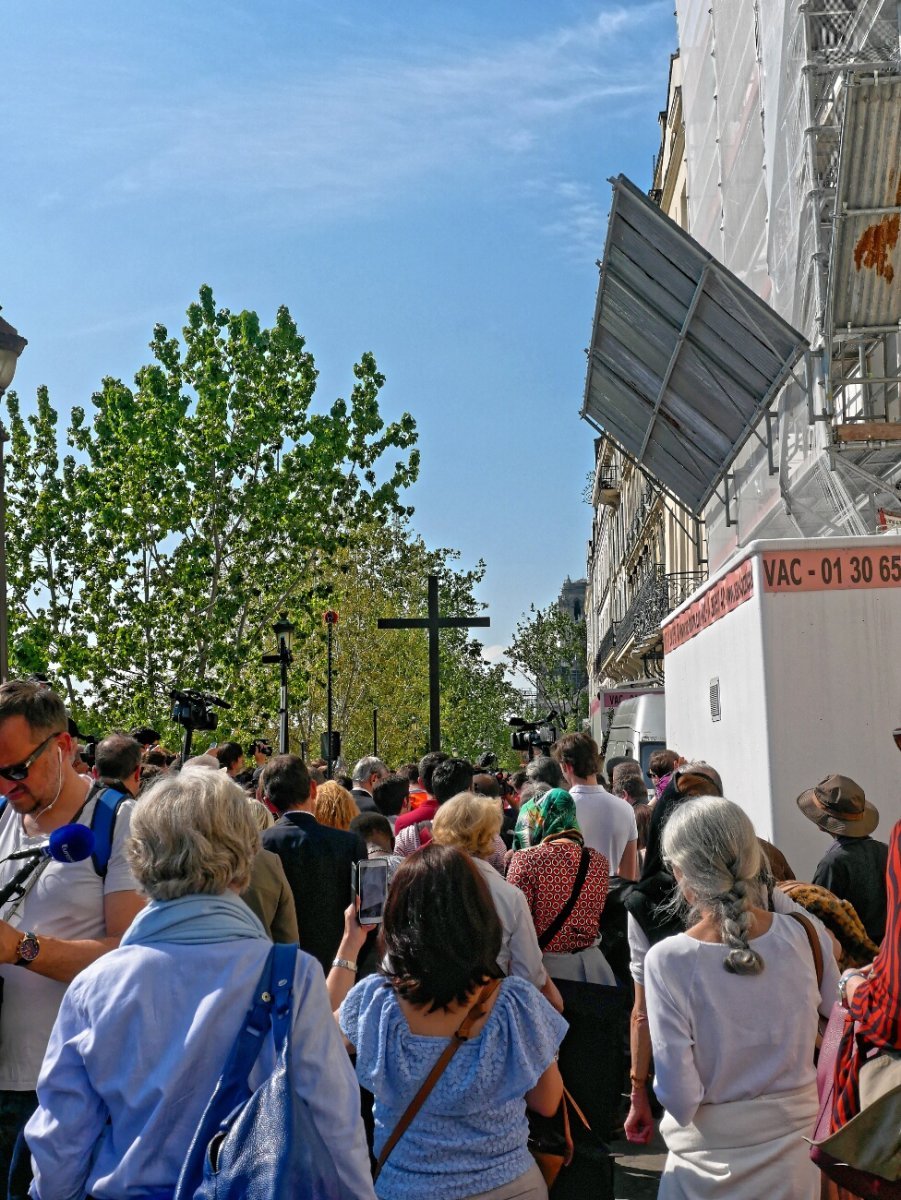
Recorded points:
(784, 668)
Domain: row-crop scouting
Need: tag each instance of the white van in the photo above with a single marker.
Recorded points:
(638, 729)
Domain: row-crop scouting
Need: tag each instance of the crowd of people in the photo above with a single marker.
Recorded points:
(525, 917)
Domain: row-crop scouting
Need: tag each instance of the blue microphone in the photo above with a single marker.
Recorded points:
(68, 844)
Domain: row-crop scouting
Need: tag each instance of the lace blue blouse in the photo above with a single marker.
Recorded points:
(470, 1135)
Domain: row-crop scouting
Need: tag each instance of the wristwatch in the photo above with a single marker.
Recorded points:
(843, 982)
(28, 949)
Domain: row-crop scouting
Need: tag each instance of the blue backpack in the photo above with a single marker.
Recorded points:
(261, 1145)
(103, 823)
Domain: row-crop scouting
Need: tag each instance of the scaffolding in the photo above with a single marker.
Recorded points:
(793, 144)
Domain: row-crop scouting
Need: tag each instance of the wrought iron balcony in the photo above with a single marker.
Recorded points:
(607, 486)
(606, 648)
(656, 596)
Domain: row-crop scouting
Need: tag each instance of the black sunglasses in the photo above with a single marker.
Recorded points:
(16, 772)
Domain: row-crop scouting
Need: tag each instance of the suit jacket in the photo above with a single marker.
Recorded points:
(365, 802)
(317, 862)
(269, 896)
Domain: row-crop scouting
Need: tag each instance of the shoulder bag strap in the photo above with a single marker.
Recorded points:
(815, 948)
(462, 1035)
(281, 984)
(563, 915)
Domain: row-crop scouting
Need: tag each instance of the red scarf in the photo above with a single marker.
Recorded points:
(876, 1007)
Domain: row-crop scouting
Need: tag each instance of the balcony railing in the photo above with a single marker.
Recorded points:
(607, 486)
(656, 596)
(606, 648)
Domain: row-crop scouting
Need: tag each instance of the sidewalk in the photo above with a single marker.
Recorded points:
(638, 1168)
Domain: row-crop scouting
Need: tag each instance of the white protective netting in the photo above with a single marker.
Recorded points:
(755, 81)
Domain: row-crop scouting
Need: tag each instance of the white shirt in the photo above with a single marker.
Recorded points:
(639, 945)
(520, 953)
(719, 1037)
(65, 902)
(607, 821)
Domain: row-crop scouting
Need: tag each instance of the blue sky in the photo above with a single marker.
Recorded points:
(424, 181)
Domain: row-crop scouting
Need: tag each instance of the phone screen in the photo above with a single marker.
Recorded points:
(371, 885)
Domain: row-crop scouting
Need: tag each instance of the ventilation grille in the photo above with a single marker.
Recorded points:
(715, 711)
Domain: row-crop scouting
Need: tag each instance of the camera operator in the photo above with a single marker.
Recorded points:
(69, 915)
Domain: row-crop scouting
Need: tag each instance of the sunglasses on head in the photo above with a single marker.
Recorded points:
(16, 772)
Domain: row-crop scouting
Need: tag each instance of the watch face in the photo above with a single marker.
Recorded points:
(28, 948)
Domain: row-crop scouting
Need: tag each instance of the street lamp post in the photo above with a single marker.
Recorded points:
(284, 635)
(11, 346)
(331, 620)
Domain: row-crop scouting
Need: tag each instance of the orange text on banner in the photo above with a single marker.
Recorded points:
(725, 595)
(831, 570)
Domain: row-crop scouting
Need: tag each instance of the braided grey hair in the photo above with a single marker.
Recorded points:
(712, 843)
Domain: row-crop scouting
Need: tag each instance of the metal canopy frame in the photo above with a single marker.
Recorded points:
(684, 357)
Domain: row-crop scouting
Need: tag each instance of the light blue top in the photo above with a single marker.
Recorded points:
(142, 1036)
(470, 1135)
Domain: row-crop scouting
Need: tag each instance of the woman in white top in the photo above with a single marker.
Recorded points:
(732, 1007)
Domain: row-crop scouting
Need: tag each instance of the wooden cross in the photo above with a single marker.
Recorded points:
(433, 623)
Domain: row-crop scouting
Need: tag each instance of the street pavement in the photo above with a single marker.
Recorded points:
(638, 1168)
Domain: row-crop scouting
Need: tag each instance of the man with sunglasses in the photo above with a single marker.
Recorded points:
(69, 914)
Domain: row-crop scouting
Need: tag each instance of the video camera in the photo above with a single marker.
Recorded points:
(191, 708)
(530, 736)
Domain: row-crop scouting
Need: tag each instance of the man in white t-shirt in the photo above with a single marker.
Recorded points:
(69, 914)
(607, 822)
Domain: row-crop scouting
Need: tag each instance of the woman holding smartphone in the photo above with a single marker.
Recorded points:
(437, 986)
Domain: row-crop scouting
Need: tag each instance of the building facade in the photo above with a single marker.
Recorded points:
(780, 151)
(646, 552)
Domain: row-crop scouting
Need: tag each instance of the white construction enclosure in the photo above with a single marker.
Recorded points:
(785, 668)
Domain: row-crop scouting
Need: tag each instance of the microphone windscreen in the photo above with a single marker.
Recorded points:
(71, 843)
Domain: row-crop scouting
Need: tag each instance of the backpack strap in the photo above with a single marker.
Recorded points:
(103, 825)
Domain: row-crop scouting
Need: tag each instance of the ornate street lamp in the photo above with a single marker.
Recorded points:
(11, 346)
(284, 636)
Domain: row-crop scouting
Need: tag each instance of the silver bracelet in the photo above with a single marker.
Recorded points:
(346, 964)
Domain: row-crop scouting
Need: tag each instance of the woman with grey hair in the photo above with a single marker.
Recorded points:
(732, 1007)
(142, 1035)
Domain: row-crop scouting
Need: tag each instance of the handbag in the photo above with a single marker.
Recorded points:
(864, 1155)
(550, 1138)
(260, 1145)
(460, 1036)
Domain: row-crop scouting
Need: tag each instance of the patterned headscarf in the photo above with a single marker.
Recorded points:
(547, 816)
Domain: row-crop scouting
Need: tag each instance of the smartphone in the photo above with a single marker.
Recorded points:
(369, 880)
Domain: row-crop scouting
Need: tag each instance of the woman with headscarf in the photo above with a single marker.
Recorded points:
(557, 865)
(565, 885)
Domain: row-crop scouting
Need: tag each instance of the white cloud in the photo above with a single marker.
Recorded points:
(373, 128)
(494, 654)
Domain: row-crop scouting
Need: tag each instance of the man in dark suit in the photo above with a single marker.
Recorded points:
(367, 773)
(317, 859)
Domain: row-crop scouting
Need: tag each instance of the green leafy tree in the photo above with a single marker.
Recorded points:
(549, 651)
(383, 571)
(199, 502)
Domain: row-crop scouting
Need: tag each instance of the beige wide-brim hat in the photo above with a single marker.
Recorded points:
(838, 806)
